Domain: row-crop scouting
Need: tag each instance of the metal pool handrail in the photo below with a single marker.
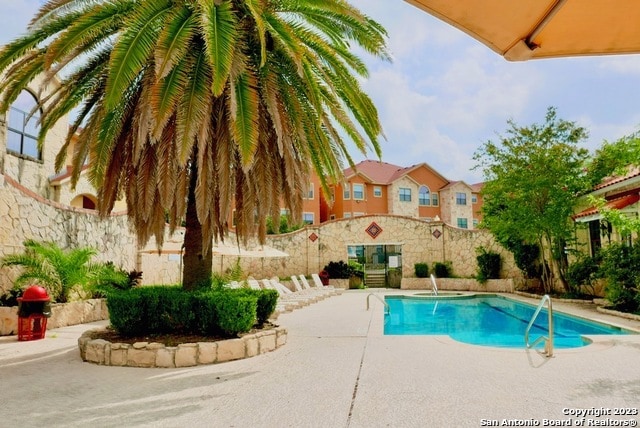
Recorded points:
(434, 287)
(548, 340)
(386, 305)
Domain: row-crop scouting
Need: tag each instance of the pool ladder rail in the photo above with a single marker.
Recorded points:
(434, 287)
(386, 305)
(548, 340)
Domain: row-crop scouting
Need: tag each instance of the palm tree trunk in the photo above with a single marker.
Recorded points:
(197, 265)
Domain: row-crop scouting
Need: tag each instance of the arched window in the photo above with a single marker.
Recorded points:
(23, 126)
(424, 196)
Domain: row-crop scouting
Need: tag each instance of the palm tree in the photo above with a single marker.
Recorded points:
(192, 108)
(59, 271)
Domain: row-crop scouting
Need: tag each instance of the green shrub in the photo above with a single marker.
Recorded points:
(356, 269)
(526, 257)
(621, 268)
(442, 269)
(581, 275)
(338, 270)
(126, 314)
(161, 309)
(10, 298)
(235, 312)
(422, 270)
(489, 264)
(266, 303)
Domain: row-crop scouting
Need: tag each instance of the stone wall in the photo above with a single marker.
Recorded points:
(62, 315)
(27, 215)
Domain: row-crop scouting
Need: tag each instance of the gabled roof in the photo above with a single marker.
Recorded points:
(378, 172)
(477, 187)
(453, 183)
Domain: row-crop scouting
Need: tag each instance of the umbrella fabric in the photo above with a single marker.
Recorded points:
(527, 29)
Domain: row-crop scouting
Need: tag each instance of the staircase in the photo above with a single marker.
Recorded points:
(375, 278)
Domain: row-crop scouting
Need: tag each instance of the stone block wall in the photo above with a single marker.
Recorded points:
(27, 215)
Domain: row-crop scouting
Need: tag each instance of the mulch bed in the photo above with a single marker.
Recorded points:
(172, 339)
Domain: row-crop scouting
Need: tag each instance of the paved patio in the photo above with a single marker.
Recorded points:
(336, 370)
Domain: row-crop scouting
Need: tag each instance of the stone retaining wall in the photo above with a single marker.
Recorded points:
(460, 284)
(62, 315)
(145, 354)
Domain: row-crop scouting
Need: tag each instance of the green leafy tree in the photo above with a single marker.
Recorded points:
(615, 159)
(58, 271)
(197, 107)
(533, 175)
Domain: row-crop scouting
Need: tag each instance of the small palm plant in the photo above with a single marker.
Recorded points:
(59, 271)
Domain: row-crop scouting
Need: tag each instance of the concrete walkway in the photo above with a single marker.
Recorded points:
(336, 370)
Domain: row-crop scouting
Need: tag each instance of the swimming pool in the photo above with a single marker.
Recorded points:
(488, 320)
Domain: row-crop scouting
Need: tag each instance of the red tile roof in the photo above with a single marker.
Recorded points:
(378, 172)
(610, 181)
(616, 204)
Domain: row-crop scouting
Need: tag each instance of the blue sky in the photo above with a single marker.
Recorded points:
(445, 94)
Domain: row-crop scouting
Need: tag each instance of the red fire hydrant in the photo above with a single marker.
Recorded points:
(33, 310)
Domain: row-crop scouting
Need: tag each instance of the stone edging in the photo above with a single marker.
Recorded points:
(145, 354)
(618, 313)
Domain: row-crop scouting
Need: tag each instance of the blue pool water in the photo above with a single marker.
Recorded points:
(488, 320)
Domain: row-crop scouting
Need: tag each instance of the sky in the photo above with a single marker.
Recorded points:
(445, 94)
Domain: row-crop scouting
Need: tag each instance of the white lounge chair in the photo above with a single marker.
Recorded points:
(254, 284)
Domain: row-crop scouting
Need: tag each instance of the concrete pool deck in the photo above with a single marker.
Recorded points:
(336, 370)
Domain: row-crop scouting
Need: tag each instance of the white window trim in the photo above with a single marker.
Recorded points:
(353, 192)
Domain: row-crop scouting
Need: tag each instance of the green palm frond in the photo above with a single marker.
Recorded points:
(193, 107)
(219, 30)
(134, 48)
(244, 115)
(174, 40)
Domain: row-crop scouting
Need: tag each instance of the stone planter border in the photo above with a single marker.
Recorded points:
(152, 354)
(62, 315)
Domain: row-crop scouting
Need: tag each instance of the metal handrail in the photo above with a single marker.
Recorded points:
(548, 345)
(386, 305)
(434, 287)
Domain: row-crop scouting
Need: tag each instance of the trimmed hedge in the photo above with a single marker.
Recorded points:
(421, 270)
(160, 310)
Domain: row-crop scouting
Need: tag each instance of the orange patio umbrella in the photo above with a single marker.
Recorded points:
(520, 30)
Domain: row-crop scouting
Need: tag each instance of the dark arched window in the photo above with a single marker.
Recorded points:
(23, 126)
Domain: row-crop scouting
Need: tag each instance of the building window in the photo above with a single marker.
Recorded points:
(346, 193)
(355, 214)
(462, 223)
(424, 196)
(347, 215)
(332, 217)
(475, 223)
(358, 191)
(23, 126)
(461, 198)
(309, 193)
(474, 198)
(434, 199)
(307, 218)
(405, 194)
(377, 191)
